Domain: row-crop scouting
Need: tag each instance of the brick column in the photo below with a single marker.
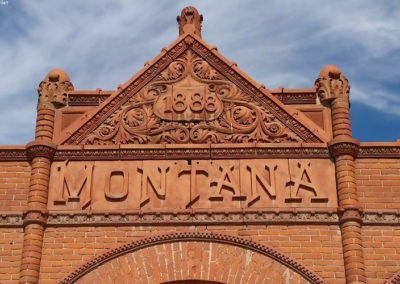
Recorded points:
(333, 90)
(52, 94)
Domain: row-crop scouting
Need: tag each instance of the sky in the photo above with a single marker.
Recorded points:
(101, 44)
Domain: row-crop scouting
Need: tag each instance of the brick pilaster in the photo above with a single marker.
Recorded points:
(52, 93)
(333, 90)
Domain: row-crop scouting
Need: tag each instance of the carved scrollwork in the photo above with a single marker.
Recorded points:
(190, 102)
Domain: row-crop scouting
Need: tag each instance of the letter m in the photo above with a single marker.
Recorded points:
(74, 183)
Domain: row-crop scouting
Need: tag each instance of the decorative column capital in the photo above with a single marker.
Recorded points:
(344, 146)
(35, 216)
(38, 148)
(332, 84)
(350, 213)
(53, 90)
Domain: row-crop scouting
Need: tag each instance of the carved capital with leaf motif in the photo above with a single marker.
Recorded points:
(53, 90)
(332, 84)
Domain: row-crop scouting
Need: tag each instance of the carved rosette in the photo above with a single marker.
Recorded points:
(54, 89)
(332, 84)
(347, 146)
(190, 102)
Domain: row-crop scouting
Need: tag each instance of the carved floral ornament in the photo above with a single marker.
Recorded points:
(190, 102)
(54, 88)
(332, 84)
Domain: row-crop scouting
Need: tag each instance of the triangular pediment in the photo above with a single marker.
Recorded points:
(191, 94)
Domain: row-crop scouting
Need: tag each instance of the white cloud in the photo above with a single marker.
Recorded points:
(278, 43)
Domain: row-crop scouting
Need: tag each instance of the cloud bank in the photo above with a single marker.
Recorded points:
(101, 44)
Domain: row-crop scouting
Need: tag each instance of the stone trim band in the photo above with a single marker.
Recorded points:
(17, 153)
(291, 217)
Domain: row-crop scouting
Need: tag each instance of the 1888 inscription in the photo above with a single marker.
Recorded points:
(182, 184)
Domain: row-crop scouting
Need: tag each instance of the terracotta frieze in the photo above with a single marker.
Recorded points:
(379, 150)
(13, 153)
(200, 217)
(69, 152)
(11, 219)
(86, 100)
(191, 151)
(290, 97)
(203, 184)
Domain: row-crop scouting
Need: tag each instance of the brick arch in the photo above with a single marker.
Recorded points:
(193, 256)
(395, 279)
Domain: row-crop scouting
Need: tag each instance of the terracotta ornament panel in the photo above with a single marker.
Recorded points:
(197, 184)
(190, 102)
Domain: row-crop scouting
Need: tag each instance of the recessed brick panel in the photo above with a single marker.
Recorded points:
(14, 185)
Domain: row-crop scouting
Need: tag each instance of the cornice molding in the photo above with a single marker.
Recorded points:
(11, 219)
(86, 99)
(192, 151)
(195, 217)
(379, 150)
(381, 218)
(205, 217)
(201, 151)
(13, 153)
(294, 98)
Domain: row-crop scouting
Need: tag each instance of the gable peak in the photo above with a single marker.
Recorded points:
(190, 21)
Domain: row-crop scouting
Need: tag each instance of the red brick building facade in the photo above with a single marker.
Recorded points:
(191, 172)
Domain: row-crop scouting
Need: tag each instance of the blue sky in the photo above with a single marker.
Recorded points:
(101, 44)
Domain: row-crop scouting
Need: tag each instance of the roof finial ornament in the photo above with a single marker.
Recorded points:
(54, 88)
(332, 84)
(190, 21)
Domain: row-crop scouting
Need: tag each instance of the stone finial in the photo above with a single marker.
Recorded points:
(332, 84)
(190, 21)
(54, 87)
